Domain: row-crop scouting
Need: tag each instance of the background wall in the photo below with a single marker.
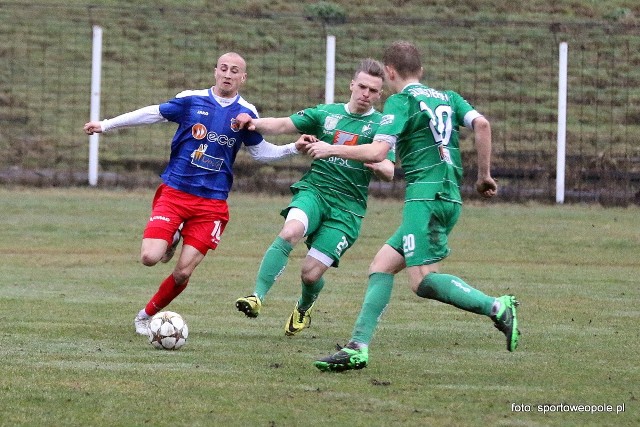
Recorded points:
(504, 63)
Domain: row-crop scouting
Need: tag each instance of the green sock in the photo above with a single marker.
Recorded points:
(310, 294)
(453, 290)
(273, 264)
(375, 301)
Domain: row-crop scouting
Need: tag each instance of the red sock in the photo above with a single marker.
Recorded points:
(166, 293)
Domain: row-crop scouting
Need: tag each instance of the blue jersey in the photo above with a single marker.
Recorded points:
(206, 143)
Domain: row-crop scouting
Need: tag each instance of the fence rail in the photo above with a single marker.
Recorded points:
(508, 70)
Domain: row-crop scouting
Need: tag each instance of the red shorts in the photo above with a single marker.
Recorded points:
(204, 219)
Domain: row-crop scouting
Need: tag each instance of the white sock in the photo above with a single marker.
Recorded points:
(495, 308)
(359, 345)
(143, 314)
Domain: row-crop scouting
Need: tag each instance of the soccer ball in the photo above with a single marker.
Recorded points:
(168, 330)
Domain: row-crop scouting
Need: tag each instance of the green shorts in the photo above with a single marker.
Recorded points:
(422, 238)
(331, 230)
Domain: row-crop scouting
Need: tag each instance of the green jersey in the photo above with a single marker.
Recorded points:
(422, 124)
(343, 183)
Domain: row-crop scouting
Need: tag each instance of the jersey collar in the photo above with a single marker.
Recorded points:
(371, 111)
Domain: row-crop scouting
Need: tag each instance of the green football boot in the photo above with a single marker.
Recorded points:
(506, 320)
(349, 357)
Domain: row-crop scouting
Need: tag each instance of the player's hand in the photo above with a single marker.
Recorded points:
(487, 187)
(92, 127)
(385, 170)
(245, 121)
(319, 150)
(304, 141)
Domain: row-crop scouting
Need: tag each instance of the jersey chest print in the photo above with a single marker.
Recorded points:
(199, 157)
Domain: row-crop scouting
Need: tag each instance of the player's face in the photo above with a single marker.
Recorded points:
(365, 91)
(230, 74)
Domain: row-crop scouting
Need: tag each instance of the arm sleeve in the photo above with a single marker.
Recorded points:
(143, 116)
(306, 121)
(463, 109)
(267, 152)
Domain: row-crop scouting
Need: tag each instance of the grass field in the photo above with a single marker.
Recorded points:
(71, 283)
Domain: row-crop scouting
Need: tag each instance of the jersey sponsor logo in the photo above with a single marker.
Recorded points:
(221, 139)
(331, 122)
(199, 152)
(338, 161)
(201, 159)
(387, 119)
(204, 113)
(199, 131)
(345, 138)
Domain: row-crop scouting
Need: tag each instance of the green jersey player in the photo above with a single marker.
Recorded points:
(422, 124)
(330, 200)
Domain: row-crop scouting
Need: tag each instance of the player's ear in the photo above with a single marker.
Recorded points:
(389, 72)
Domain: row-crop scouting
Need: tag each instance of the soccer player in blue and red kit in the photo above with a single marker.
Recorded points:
(191, 201)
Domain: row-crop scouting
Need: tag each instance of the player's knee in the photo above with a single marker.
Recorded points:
(309, 277)
(291, 236)
(424, 286)
(149, 259)
(377, 266)
(181, 276)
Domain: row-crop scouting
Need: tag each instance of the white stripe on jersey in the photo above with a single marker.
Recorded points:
(198, 92)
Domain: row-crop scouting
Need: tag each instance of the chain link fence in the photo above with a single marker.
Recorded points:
(508, 70)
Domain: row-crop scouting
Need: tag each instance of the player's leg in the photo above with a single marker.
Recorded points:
(177, 281)
(313, 268)
(160, 231)
(337, 233)
(276, 257)
(455, 291)
(201, 232)
(274, 261)
(302, 217)
(355, 355)
(429, 241)
(171, 249)
(171, 286)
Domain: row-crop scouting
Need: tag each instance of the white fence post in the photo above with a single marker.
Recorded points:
(96, 70)
(562, 122)
(330, 79)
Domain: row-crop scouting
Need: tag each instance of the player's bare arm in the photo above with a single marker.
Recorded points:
(384, 170)
(486, 186)
(367, 153)
(267, 125)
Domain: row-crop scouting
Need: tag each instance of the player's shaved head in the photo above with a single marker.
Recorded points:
(233, 58)
(230, 74)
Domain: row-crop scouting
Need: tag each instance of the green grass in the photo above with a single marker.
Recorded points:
(71, 283)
